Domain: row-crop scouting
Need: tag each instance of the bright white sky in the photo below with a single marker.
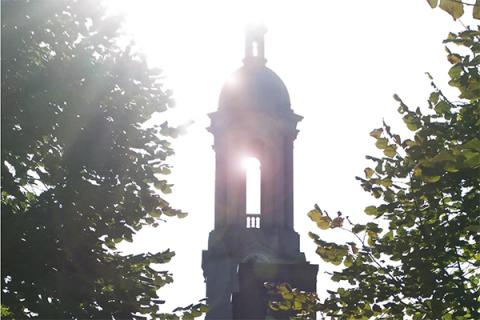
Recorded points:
(341, 60)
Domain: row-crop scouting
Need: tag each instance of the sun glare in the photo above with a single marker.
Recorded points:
(251, 163)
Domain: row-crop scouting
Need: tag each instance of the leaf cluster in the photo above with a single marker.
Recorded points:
(455, 8)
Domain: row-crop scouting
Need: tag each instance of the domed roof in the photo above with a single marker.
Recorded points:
(254, 86)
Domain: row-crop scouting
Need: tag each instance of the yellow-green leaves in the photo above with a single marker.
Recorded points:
(412, 122)
(434, 97)
(371, 210)
(476, 10)
(453, 7)
(442, 107)
(381, 143)
(368, 172)
(431, 179)
(301, 302)
(390, 151)
(323, 221)
(332, 252)
(314, 214)
(454, 58)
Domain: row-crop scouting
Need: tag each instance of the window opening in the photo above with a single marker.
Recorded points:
(253, 177)
(255, 49)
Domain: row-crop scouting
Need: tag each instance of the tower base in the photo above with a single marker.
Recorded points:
(251, 300)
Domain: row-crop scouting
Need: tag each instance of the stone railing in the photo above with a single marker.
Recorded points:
(253, 221)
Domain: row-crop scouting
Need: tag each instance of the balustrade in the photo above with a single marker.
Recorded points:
(253, 221)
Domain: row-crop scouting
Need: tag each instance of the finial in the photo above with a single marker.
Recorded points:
(255, 45)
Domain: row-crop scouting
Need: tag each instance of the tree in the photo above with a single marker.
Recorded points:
(426, 264)
(80, 170)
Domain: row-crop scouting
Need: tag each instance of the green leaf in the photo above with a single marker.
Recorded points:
(397, 98)
(430, 179)
(358, 228)
(182, 214)
(381, 143)
(368, 172)
(444, 156)
(389, 235)
(453, 7)
(315, 215)
(432, 3)
(313, 236)
(434, 97)
(371, 210)
(324, 222)
(387, 182)
(348, 262)
(455, 71)
(412, 122)
(417, 172)
(442, 107)
(476, 10)
(454, 58)
(390, 151)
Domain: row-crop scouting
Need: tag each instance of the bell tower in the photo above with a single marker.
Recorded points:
(246, 249)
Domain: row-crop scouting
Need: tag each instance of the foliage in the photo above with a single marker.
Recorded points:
(426, 264)
(303, 303)
(80, 171)
(455, 8)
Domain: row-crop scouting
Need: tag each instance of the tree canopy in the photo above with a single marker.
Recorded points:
(420, 257)
(80, 170)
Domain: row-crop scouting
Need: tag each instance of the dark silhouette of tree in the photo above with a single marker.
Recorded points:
(80, 171)
(426, 264)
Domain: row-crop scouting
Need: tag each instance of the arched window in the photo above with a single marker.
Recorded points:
(253, 191)
(255, 49)
(253, 174)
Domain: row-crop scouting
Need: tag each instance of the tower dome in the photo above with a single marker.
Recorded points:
(254, 86)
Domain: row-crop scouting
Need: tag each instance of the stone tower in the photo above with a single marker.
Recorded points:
(245, 250)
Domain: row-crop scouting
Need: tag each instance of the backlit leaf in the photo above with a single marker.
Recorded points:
(376, 133)
(315, 215)
(476, 10)
(324, 222)
(381, 143)
(371, 210)
(453, 7)
(368, 172)
(390, 151)
(431, 179)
